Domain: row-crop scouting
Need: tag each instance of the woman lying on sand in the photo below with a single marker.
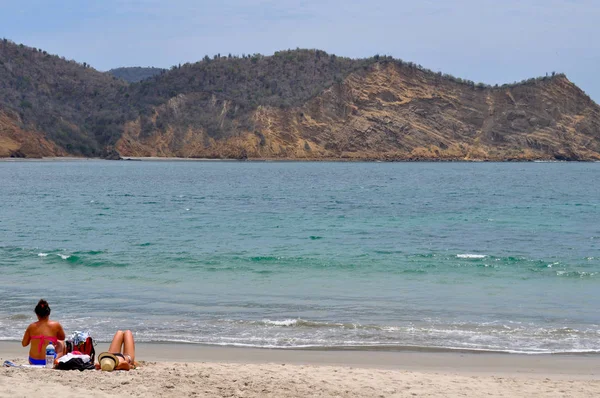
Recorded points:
(42, 332)
(114, 359)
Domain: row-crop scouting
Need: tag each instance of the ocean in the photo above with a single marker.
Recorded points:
(420, 256)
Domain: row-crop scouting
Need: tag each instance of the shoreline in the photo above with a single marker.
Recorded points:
(297, 160)
(578, 366)
(7, 344)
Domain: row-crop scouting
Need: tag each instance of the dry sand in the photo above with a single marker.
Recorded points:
(171, 370)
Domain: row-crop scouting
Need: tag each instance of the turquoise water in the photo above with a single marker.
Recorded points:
(473, 256)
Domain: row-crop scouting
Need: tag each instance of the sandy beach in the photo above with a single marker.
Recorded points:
(182, 370)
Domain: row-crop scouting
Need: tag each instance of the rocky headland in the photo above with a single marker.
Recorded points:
(300, 104)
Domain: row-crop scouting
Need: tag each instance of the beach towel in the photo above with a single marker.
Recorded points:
(11, 364)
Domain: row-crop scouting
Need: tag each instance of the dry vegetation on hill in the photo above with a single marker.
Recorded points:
(296, 104)
(135, 74)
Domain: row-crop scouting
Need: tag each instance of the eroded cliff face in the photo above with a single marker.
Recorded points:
(386, 112)
(297, 104)
(17, 142)
(182, 137)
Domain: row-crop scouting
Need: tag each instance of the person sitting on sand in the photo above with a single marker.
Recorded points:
(114, 359)
(42, 332)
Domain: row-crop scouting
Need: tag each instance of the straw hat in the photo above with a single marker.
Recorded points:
(108, 361)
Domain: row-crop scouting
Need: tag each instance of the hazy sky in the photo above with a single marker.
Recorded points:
(494, 41)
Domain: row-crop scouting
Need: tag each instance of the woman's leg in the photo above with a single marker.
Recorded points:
(117, 342)
(129, 345)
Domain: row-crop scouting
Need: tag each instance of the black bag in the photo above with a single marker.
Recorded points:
(76, 364)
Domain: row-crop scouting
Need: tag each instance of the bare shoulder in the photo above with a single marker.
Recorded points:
(55, 325)
(32, 327)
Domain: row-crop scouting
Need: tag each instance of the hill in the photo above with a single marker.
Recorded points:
(71, 105)
(296, 104)
(135, 74)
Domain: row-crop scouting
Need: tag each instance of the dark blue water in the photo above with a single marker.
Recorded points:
(483, 256)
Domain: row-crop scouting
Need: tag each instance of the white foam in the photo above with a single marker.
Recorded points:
(42, 254)
(287, 322)
(471, 255)
(581, 274)
(63, 256)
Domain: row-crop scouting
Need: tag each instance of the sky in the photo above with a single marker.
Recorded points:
(492, 41)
